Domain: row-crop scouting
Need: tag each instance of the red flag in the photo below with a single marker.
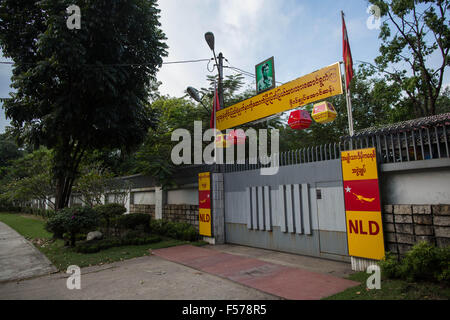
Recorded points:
(347, 54)
(216, 107)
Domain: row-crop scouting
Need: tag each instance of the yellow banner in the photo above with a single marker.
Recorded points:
(204, 190)
(359, 164)
(365, 234)
(204, 181)
(204, 224)
(315, 86)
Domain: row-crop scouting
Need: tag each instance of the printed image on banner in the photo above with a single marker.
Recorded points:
(365, 234)
(359, 164)
(204, 199)
(313, 87)
(362, 195)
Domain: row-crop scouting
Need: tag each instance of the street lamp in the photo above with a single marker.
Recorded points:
(194, 94)
(209, 37)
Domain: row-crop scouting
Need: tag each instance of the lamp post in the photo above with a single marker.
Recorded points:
(209, 37)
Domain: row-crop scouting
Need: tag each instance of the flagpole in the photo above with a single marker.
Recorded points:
(348, 100)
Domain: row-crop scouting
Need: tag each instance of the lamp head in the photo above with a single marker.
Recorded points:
(209, 37)
(193, 93)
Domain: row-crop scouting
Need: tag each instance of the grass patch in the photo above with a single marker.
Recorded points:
(393, 290)
(62, 257)
(29, 226)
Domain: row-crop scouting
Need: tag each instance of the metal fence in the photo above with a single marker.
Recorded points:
(420, 139)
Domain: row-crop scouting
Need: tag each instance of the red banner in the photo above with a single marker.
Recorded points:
(362, 195)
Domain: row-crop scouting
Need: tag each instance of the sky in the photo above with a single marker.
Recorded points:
(301, 35)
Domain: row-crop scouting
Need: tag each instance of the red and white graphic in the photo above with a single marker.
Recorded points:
(362, 195)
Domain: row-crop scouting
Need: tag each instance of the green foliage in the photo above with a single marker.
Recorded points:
(176, 230)
(412, 33)
(9, 151)
(72, 221)
(423, 262)
(98, 245)
(134, 221)
(110, 210)
(29, 178)
(81, 90)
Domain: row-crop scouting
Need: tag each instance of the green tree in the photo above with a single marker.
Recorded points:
(29, 178)
(9, 150)
(81, 90)
(153, 158)
(413, 32)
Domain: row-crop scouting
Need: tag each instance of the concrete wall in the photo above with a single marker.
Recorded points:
(416, 198)
(416, 182)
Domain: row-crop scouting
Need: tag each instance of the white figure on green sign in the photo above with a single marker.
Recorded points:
(266, 81)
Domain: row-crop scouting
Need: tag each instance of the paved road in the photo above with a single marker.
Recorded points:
(149, 278)
(19, 259)
(226, 272)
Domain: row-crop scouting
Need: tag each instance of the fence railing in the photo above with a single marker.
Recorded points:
(393, 144)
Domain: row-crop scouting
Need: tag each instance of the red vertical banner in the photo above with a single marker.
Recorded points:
(362, 204)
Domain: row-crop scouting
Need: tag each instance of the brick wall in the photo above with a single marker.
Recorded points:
(143, 208)
(181, 213)
(405, 225)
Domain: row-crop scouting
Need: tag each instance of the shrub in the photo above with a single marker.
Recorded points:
(55, 225)
(423, 262)
(134, 221)
(108, 212)
(98, 245)
(176, 230)
(72, 221)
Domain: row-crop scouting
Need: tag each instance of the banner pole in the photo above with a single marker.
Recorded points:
(349, 108)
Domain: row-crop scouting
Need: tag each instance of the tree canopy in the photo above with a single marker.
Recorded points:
(81, 90)
(414, 34)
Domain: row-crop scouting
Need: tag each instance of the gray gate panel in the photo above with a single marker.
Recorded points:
(267, 208)
(333, 242)
(306, 209)
(282, 208)
(289, 209)
(254, 208)
(331, 208)
(297, 209)
(275, 240)
(248, 207)
(261, 218)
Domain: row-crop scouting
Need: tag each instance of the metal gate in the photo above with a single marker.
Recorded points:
(299, 210)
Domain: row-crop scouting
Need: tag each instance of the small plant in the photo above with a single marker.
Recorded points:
(423, 262)
(176, 230)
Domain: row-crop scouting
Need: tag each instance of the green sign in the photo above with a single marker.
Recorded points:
(265, 75)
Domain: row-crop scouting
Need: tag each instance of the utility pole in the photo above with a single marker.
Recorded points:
(220, 69)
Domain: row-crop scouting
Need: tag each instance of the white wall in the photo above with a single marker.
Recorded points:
(147, 197)
(183, 196)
